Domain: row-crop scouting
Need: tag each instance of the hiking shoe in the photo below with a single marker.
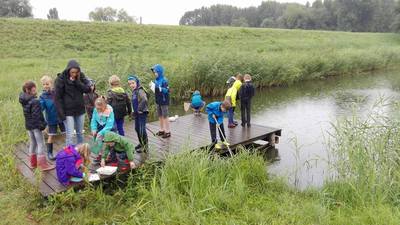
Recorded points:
(160, 133)
(218, 146)
(231, 126)
(242, 124)
(42, 163)
(235, 122)
(33, 161)
(166, 135)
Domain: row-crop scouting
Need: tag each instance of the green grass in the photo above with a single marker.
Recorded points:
(191, 188)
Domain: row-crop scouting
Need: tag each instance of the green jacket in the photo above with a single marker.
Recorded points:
(122, 144)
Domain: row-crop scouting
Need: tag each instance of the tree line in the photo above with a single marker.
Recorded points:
(23, 9)
(343, 15)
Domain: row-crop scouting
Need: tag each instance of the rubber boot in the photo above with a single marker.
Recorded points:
(42, 163)
(50, 152)
(33, 161)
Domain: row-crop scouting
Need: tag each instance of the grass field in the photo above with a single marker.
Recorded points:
(191, 189)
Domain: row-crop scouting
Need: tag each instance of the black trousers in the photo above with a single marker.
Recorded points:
(213, 131)
(140, 128)
(245, 107)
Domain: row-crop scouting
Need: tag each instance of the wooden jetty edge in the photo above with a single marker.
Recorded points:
(188, 132)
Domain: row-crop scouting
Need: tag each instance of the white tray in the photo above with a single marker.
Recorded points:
(107, 170)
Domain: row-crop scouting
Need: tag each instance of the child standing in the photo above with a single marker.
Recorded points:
(162, 100)
(246, 93)
(120, 102)
(232, 97)
(47, 104)
(90, 98)
(197, 104)
(215, 111)
(124, 150)
(70, 163)
(140, 111)
(35, 124)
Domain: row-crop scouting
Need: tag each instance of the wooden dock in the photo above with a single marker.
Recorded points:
(188, 132)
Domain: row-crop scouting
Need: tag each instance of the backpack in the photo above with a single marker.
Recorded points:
(118, 101)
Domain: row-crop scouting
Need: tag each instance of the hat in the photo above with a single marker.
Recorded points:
(135, 78)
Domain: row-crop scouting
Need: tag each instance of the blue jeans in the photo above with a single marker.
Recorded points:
(71, 123)
(120, 126)
(230, 115)
(140, 128)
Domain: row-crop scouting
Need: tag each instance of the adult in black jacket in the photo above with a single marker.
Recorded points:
(70, 86)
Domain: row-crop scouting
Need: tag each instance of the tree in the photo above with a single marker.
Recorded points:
(53, 14)
(103, 14)
(346, 15)
(109, 14)
(15, 8)
(268, 22)
(396, 23)
(123, 16)
(240, 22)
(295, 17)
(317, 4)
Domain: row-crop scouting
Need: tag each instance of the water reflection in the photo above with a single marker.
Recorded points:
(306, 112)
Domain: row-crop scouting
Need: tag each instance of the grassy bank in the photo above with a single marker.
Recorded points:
(191, 189)
(195, 57)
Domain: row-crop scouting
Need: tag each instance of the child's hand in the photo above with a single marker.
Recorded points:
(103, 163)
(94, 133)
(132, 165)
(99, 137)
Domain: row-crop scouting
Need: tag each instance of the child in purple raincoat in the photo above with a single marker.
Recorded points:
(70, 162)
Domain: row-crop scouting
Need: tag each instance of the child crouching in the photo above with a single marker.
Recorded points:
(197, 104)
(71, 162)
(124, 149)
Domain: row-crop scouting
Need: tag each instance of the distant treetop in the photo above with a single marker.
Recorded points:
(344, 15)
(15, 8)
(109, 14)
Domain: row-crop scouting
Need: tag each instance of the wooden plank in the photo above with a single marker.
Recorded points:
(187, 132)
(44, 189)
(48, 177)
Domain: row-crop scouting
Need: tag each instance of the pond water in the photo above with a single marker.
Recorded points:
(306, 111)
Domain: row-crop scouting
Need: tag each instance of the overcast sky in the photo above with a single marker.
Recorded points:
(152, 11)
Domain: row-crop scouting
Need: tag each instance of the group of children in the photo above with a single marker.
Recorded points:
(62, 107)
(240, 88)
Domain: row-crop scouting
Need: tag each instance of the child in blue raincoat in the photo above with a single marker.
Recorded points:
(161, 90)
(216, 111)
(197, 103)
(53, 122)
